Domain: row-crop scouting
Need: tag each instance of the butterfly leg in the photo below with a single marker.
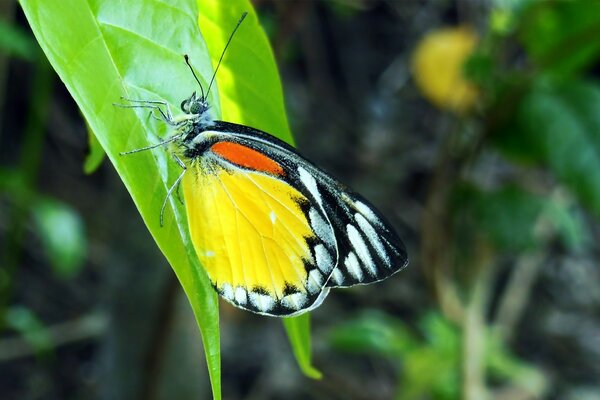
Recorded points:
(164, 142)
(173, 187)
(154, 105)
(182, 165)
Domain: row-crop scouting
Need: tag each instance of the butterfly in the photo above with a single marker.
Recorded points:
(273, 231)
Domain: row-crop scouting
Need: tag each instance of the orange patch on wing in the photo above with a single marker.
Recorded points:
(246, 157)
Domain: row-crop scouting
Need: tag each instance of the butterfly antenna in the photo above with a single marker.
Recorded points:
(223, 53)
(187, 61)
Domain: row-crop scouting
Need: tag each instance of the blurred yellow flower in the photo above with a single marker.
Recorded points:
(437, 66)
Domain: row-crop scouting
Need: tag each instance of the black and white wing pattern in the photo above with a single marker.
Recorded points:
(356, 245)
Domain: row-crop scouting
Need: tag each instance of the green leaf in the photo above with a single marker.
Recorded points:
(103, 50)
(16, 42)
(561, 36)
(63, 236)
(95, 156)
(507, 216)
(506, 366)
(512, 217)
(24, 321)
(558, 125)
(251, 94)
(567, 223)
(373, 332)
(298, 331)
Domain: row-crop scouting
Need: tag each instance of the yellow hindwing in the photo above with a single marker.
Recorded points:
(248, 229)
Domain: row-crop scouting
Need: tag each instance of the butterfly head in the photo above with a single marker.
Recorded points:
(195, 105)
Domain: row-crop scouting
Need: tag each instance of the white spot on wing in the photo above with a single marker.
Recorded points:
(314, 281)
(321, 228)
(373, 237)
(324, 260)
(361, 248)
(273, 217)
(294, 301)
(262, 302)
(368, 213)
(311, 184)
(353, 266)
(337, 276)
(209, 253)
(240, 295)
(227, 291)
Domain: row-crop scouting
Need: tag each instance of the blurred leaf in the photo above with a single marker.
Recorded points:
(510, 217)
(478, 68)
(429, 367)
(502, 21)
(16, 42)
(568, 224)
(503, 365)
(13, 184)
(440, 332)
(374, 333)
(562, 36)
(505, 15)
(298, 331)
(429, 360)
(558, 125)
(95, 156)
(507, 216)
(346, 8)
(62, 233)
(433, 368)
(24, 321)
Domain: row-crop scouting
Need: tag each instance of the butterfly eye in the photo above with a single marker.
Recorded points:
(195, 107)
(185, 105)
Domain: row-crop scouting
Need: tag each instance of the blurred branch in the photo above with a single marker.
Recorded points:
(84, 328)
(474, 327)
(436, 247)
(516, 294)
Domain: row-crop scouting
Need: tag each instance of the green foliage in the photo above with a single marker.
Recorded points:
(506, 366)
(298, 331)
(516, 220)
(95, 156)
(26, 323)
(540, 111)
(375, 333)
(557, 125)
(428, 359)
(562, 36)
(63, 236)
(103, 51)
(15, 42)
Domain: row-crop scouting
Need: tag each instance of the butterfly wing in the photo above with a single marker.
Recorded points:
(369, 250)
(264, 244)
(273, 231)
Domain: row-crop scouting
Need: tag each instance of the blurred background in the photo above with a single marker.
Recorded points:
(474, 126)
